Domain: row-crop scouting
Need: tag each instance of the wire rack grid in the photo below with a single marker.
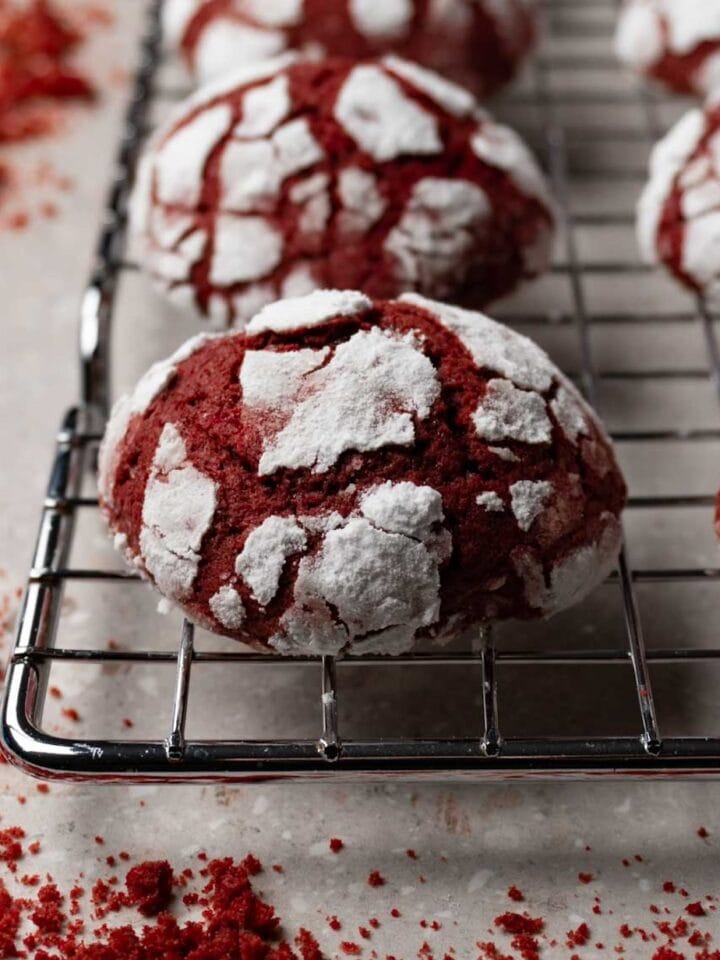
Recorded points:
(577, 30)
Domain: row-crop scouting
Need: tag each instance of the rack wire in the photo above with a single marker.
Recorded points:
(577, 45)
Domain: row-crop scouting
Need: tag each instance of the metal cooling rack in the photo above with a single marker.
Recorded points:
(482, 753)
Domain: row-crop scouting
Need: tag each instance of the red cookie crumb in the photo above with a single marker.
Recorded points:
(149, 886)
(376, 879)
(336, 845)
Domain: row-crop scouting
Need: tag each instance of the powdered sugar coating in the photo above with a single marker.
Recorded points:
(482, 42)
(227, 607)
(508, 413)
(382, 120)
(491, 501)
(528, 500)
(672, 41)
(325, 489)
(678, 220)
(313, 175)
(309, 311)
(264, 554)
(177, 511)
(364, 397)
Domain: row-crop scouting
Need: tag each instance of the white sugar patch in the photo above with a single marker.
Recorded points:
(227, 607)
(569, 411)
(276, 13)
(501, 147)
(176, 17)
(180, 161)
(493, 345)
(263, 108)
(265, 553)
(225, 43)
(490, 501)
(384, 587)
(299, 282)
(451, 97)
(365, 398)
(403, 508)
(309, 311)
(690, 23)
(277, 378)
(362, 202)
(435, 239)
(701, 199)
(236, 77)
(390, 19)
(528, 499)
(508, 413)
(252, 171)
(639, 36)
(246, 248)
(376, 112)
(178, 509)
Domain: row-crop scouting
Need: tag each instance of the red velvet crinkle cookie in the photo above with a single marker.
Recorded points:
(480, 43)
(679, 211)
(676, 42)
(377, 176)
(356, 476)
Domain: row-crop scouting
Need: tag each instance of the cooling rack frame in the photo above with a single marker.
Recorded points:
(484, 754)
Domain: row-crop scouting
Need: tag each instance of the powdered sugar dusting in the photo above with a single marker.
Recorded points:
(180, 162)
(501, 147)
(264, 555)
(309, 311)
(227, 607)
(493, 345)
(365, 397)
(528, 500)
(246, 248)
(375, 581)
(390, 19)
(263, 108)
(363, 204)
(508, 413)
(570, 413)
(451, 97)
(403, 508)
(224, 43)
(491, 501)
(178, 509)
(381, 117)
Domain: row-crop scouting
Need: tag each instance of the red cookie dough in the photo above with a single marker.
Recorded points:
(297, 175)
(676, 42)
(356, 476)
(481, 43)
(679, 211)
